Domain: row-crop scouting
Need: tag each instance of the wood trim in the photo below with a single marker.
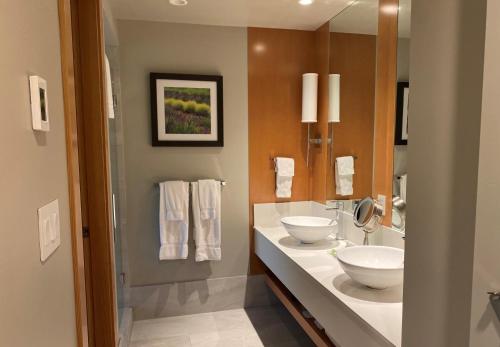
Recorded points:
(68, 81)
(293, 306)
(385, 102)
(92, 120)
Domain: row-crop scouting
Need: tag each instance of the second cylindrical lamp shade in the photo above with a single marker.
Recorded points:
(309, 98)
(333, 98)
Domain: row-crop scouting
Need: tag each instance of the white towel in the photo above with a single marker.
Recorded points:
(285, 170)
(207, 232)
(109, 89)
(402, 186)
(209, 191)
(344, 170)
(174, 220)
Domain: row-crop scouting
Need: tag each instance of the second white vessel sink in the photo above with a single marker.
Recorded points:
(377, 267)
(308, 229)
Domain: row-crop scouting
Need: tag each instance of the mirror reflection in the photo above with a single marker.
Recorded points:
(353, 48)
(401, 126)
(352, 56)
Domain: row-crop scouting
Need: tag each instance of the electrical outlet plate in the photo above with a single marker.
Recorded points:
(49, 229)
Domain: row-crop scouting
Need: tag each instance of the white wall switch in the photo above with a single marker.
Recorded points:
(39, 104)
(49, 229)
(382, 201)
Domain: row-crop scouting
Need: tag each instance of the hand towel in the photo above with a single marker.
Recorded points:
(285, 170)
(207, 232)
(344, 171)
(174, 220)
(209, 190)
(345, 165)
(285, 167)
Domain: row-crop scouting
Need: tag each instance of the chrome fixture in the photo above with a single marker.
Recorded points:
(399, 207)
(495, 302)
(338, 206)
(368, 215)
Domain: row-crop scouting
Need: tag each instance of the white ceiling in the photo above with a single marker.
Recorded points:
(362, 18)
(285, 14)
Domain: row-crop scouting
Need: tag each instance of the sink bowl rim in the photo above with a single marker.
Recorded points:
(285, 220)
(365, 267)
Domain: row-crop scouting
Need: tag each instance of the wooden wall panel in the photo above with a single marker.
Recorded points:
(353, 56)
(319, 153)
(276, 61)
(385, 102)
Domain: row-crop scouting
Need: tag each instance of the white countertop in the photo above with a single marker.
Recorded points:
(381, 309)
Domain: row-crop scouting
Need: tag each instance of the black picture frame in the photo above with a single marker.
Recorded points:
(400, 114)
(155, 140)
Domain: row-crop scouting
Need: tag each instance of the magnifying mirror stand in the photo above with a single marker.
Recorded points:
(368, 216)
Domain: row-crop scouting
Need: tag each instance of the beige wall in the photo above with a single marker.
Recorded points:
(37, 307)
(159, 47)
(485, 326)
(446, 49)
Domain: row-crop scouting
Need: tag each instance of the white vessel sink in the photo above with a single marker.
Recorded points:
(308, 229)
(377, 267)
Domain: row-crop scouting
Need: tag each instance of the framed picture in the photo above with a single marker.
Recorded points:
(186, 110)
(402, 102)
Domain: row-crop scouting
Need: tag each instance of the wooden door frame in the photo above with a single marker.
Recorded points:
(82, 59)
(73, 168)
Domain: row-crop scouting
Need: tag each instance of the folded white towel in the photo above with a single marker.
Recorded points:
(285, 170)
(209, 190)
(207, 232)
(284, 187)
(285, 167)
(174, 220)
(345, 165)
(344, 170)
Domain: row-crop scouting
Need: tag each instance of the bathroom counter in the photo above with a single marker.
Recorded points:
(353, 315)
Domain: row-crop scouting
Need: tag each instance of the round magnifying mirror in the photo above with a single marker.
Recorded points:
(364, 212)
(367, 215)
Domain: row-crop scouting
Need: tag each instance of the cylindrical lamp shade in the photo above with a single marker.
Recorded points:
(309, 98)
(333, 98)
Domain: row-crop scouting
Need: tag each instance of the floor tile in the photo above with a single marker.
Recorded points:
(270, 326)
(176, 341)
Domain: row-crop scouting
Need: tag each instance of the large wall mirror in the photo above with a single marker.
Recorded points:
(354, 57)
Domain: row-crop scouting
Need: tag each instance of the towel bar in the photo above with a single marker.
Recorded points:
(222, 182)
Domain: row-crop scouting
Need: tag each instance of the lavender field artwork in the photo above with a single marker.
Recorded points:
(186, 110)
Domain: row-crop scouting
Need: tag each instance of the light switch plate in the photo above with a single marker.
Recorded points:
(49, 229)
(39, 104)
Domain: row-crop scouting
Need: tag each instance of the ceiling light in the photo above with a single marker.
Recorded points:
(306, 2)
(178, 2)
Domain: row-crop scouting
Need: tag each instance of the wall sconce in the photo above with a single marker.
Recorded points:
(334, 98)
(309, 104)
(333, 107)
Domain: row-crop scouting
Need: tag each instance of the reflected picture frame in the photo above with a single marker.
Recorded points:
(186, 110)
(402, 103)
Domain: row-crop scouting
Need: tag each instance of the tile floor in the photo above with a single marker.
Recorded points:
(261, 326)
